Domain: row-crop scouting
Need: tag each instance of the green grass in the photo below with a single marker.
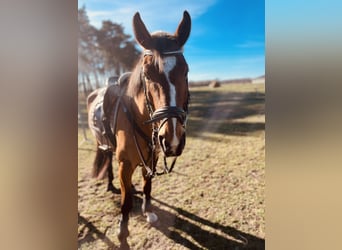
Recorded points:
(214, 198)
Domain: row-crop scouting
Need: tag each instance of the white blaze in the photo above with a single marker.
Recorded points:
(169, 64)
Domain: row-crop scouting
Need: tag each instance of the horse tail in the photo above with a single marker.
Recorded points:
(91, 97)
(101, 163)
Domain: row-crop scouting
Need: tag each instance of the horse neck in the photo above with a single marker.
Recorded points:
(139, 113)
(136, 93)
(139, 108)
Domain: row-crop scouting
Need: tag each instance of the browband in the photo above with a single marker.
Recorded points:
(150, 52)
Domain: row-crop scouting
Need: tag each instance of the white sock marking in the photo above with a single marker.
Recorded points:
(151, 217)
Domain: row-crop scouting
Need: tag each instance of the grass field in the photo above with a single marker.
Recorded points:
(214, 198)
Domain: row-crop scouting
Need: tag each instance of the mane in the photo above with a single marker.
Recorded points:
(135, 84)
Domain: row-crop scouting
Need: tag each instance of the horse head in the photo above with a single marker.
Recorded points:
(165, 80)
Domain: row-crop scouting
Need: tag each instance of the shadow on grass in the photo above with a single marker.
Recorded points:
(181, 226)
(217, 112)
(195, 227)
(194, 232)
(89, 230)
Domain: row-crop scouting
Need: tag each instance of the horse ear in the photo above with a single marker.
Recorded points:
(141, 34)
(183, 31)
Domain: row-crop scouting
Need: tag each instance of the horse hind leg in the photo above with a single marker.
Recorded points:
(146, 205)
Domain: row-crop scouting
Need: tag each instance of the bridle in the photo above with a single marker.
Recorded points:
(161, 115)
(166, 112)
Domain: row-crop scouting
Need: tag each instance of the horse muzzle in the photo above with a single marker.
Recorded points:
(171, 148)
(171, 129)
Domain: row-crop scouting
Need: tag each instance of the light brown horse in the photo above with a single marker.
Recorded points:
(152, 113)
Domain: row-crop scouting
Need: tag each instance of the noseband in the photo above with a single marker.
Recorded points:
(166, 113)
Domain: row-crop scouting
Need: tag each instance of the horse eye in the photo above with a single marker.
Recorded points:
(186, 73)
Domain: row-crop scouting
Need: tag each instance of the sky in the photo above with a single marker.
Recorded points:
(227, 39)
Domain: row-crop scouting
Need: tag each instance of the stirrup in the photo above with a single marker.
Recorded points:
(104, 147)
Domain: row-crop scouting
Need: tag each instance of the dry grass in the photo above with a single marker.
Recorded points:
(214, 199)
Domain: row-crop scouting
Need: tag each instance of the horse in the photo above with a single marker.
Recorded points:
(151, 114)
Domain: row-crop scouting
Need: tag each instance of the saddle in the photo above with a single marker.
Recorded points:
(111, 101)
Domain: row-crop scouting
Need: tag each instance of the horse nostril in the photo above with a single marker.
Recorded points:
(163, 143)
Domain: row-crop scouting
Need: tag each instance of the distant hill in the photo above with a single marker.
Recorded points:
(260, 79)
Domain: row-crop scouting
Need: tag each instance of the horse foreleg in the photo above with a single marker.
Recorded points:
(125, 176)
(146, 205)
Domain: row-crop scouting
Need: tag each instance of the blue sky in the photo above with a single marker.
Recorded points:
(227, 39)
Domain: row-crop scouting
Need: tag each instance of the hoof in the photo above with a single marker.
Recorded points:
(124, 245)
(114, 190)
(123, 232)
(134, 191)
(151, 217)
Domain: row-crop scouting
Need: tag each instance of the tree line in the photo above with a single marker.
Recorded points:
(102, 52)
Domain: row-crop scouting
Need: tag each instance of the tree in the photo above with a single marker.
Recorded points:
(119, 52)
(129, 55)
(104, 51)
(86, 47)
